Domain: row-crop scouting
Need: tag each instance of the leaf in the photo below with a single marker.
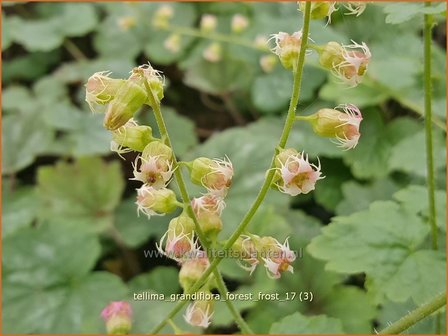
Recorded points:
(133, 229)
(86, 192)
(6, 33)
(300, 324)
(415, 198)
(403, 157)
(367, 242)
(163, 280)
(78, 19)
(19, 209)
(24, 137)
(16, 98)
(399, 12)
(358, 197)
(371, 157)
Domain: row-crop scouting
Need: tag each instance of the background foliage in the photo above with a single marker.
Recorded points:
(72, 241)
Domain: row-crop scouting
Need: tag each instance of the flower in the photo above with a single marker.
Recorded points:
(268, 62)
(155, 171)
(199, 313)
(320, 9)
(208, 23)
(297, 175)
(213, 53)
(127, 22)
(194, 264)
(101, 89)
(172, 43)
(210, 203)
(213, 174)
(344, 126)
(117, 316)
(247, 251)
(287, 47)
(239, 23)
(352, 63)
(179, 239)
(131, 135)
(153, 82)
(155, 202)
(279, 257)
(355, 7)
(162, 16)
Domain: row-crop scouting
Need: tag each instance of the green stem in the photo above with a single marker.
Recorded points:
(416, 315)
(202, 238)
(268, 180)
(428, 127)
(74, 50)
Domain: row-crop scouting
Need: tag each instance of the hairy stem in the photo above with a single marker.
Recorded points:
(416, 315)
(428, 127)
(270, 175)
(187, 206)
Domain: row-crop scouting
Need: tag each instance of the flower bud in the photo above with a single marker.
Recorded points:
(215, 175)
(179, 238)
(127, 22)
(154, 83)
(208, 23)
(277, 257)
(133, 136)
(157, 148)
(348, 62)
(128, 100)
(239, 23)
(117, 316)
(268, 62)
(155, 202)
(344, 126)
(295, 174)
(287, 48)
(246, 248)
(192, 270)
(213, 53)
(172, 43)
(319, 9)
(101, 89)
(199, 313)
(162, 16)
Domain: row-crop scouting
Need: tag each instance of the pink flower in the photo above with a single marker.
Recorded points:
(155, 171)
(287, 47)
(279, 259)
(199, 314)
(298, 176)
(177, 245)
(354, 63)
(208, 203)
(349, 135)
(117, 316)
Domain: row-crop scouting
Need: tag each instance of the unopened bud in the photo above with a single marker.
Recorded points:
(239, 23)
(133, 136)
(287, 48)
(153, 201)
(192, 270)
(208, 23)
(101, 89)
(268, 62)
(215, 175)
(199, 313)
(117, 317)
(163, 16)
(154, 83)
(213, 53)
(172, 43)
(320, 9)
(344, 126)
(158, 149)
(128, 100)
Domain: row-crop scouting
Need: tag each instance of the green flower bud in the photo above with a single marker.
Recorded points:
(152, 201)
(211, 224)
(157, 149)
(133, 136)
(215, 175)
(101, 89)
(153, 83)
(192, 270)
(128, 100)
(319, 9)
(330, 55)
(182, 225)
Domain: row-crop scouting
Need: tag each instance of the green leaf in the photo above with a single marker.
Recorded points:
(24, 137)
(163, 280)
(19, 208)
(16, 98)
(403, 157)
(6, 33)
(400, 12)
(300, 324)
(358, 197)
(133, 229)
(367, 242)
(86, 192)
(371, 157)
(78, 19)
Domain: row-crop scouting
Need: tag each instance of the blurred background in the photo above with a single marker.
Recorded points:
(72, 240)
